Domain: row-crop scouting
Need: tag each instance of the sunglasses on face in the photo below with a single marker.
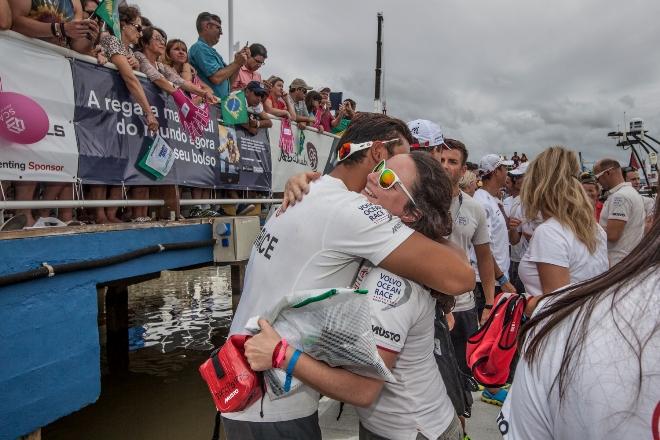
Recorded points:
(349, 148)
(387, 178)
(602, 173)
(138, 27)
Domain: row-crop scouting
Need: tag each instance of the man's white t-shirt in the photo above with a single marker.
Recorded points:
(554, 243)
(402, 314)
(469, 228)
(624, 203)
(498, 229)
(601, 400)
(318, 243)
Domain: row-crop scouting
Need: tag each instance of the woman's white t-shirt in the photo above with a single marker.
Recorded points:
(556, 244)
(402, 314)
(607, 397)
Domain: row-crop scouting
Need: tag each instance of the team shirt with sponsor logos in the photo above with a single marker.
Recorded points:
(607, 397)
(318, 243)
(469, 228)
(498, 229)
(402, 314)
(624, 203)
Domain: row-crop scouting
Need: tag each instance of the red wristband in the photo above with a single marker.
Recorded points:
(279, 353)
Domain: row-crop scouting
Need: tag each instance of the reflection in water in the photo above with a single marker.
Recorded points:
(174, 322)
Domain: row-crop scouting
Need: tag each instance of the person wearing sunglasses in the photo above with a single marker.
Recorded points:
(297, 91)
(320, 243)
(208, 62)
(415, 188)
(151, 49)
(623, 215)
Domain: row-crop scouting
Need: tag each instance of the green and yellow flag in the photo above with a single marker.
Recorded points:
(234, 108)
(108, 11)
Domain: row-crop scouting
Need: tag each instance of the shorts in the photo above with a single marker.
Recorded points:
(297, 429)
(453, 432)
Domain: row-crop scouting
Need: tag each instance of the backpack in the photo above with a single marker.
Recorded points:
(492, 348)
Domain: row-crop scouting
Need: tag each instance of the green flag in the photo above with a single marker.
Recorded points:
(108, 11)
(300, 146)
(234, 108)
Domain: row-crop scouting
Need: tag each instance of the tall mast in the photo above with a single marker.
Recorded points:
(230, 22)
(379, 61)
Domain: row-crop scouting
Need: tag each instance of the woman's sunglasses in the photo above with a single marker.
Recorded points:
(348, 148)
(388, 178)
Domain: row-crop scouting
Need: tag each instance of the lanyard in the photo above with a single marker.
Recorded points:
(460, 203)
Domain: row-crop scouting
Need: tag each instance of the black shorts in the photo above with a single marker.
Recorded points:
(297, 429)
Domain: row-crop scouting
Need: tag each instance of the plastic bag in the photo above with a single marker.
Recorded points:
(333, 326)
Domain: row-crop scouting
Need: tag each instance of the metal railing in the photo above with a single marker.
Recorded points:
(42, 204)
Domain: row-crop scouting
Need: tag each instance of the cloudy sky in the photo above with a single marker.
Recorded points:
(503, 76)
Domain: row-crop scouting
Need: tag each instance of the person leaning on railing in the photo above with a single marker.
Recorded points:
(60, 23)
(121, 55)
(255, 95)
(176, 56)
(151, 49)
(5, 15)
(276, 103)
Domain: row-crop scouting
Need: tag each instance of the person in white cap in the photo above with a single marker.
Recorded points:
(513, 210)
(470, 232)
(429, 136)
(493, 172)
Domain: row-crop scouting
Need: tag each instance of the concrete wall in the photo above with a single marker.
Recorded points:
(49, 339)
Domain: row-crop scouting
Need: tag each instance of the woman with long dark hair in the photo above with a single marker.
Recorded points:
(590, 363)
(415, 188)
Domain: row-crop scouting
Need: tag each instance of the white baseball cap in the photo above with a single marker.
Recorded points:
(427, 133)
(520, 170)
(491, 162)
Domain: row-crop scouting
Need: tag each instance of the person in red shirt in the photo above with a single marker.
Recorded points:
(590, 185)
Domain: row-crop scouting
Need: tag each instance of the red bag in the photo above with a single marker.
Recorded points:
(491, 349)
(233, 384)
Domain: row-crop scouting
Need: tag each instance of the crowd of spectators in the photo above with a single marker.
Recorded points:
(199, 71)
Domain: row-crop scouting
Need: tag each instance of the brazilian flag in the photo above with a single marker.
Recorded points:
(108, 11)
(234, 108)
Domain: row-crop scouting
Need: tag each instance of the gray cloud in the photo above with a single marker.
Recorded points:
(502, 76)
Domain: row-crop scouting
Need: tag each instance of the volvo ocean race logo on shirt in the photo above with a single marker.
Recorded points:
(391, 291)
(376, 213)
(462, 221)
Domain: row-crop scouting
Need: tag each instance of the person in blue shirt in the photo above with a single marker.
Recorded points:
(209, 64)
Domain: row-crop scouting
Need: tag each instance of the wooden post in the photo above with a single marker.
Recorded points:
(36, 435)
(237, 278)
(116, 312)
(170, 194)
